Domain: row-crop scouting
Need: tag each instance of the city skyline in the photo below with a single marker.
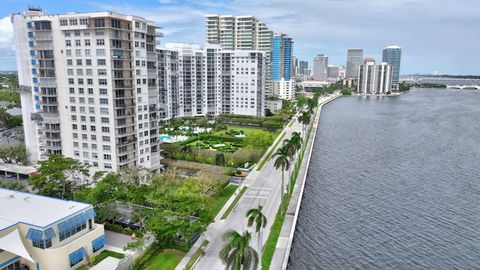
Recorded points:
(183, 22)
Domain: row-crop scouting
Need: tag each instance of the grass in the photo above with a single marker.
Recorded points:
(199, 253)
(108, 253)
(271, 243)
(270, 153)
(218, 202)
(168, 259)
(234, 203)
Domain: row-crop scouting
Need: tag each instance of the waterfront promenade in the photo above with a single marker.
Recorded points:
(263, 189)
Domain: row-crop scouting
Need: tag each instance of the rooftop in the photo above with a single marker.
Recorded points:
(20, 207)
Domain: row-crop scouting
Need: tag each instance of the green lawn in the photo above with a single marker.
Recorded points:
(271, 243)
(108, 253)
(270, 153)
(166, 260)
(197, 255)
(234, 203)
(217, 203)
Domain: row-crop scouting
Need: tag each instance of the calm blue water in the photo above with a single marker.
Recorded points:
(394, 183)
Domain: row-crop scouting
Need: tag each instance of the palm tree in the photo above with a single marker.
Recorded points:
(282, 162)
(312, 103)
(256, 215)
(296, 141)
(4, 116)
(237, 254)
(304, 119)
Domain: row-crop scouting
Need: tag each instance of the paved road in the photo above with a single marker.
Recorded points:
(263, 189)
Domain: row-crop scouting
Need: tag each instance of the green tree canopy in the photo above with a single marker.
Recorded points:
(59, 177)
(14, 154)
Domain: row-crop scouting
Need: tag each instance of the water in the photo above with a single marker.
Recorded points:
(393, 184)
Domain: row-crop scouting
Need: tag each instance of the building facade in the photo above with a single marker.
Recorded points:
(333, 72)
(284, 89)
(209, 81)
(88, 84)
(354, 60)
(242, 33)
(320, 67)
(44, 233)
(374, 78)
(393, 55)
(282, 57)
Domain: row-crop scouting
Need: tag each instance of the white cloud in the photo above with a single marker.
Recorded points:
(7, 44)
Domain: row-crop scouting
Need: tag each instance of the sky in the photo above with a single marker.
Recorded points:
(435, 35)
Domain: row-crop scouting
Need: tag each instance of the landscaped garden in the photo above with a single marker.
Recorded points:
(243, 139)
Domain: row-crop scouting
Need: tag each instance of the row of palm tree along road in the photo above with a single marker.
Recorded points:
(237, 253)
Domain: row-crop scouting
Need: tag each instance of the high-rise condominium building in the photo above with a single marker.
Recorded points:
(302, 67)
(320, 67)
(195, 81)
(354, 60)
(283, 83)
(392, 55)
(374, 79)
(333, 72)
(294, 69)
(88, 85)
(282, 57)
(242, 33)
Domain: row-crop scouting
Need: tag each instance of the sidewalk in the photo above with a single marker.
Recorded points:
(284, 243)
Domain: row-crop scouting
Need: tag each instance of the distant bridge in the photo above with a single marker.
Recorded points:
(463, 87)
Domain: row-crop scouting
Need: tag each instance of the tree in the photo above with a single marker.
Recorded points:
(268, 112)
(259, 139)
(4, 116)
(14, 154)
(186, 149)
(282, 162)
(304, 119)
(237, 254)
(312, 103)
(220, 159)
(59, 177)
(256, 215)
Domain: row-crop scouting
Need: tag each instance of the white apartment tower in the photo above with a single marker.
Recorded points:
(89, 87)
(242, 33)
(374, 79)
(195, 81)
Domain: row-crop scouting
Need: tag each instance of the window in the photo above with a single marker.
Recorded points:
(87, 42)
(105, 138)
(100, 42)
(107, 166)
(78, 42)
(98, 243)
(77, 256)
(100, 52)
(107, 157)
(105, 129)
(63, 22)
(68, 43)
(73, 21)
(99, 22)
(102, 82)
(102, 72)
(83, 21)
(104, 101)
(101, 62)
(68, 52)
(103, 91)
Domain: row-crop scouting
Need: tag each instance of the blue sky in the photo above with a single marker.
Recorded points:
(436, 35)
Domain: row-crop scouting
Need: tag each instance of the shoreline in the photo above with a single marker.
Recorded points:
(282, 250)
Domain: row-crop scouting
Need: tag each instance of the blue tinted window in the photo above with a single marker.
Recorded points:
(35, 80)
(29, 24)
(32, 53)
(30, 43)
(37, 106)
(35, 89)
(30, 34)
(34, 71)
(37, 98)
(34, 62)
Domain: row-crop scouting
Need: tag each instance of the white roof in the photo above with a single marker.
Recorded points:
(16, 168)
(13, 244)
(32, 209)
(392, 47)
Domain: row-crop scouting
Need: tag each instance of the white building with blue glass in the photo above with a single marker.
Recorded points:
(41, 233)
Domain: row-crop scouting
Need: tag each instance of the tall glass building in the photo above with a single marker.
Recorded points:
(281, 57)
(392, 55)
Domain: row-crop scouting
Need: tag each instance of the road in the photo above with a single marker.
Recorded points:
(263, 189)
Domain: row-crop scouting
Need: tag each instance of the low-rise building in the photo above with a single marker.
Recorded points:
(45, 233)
